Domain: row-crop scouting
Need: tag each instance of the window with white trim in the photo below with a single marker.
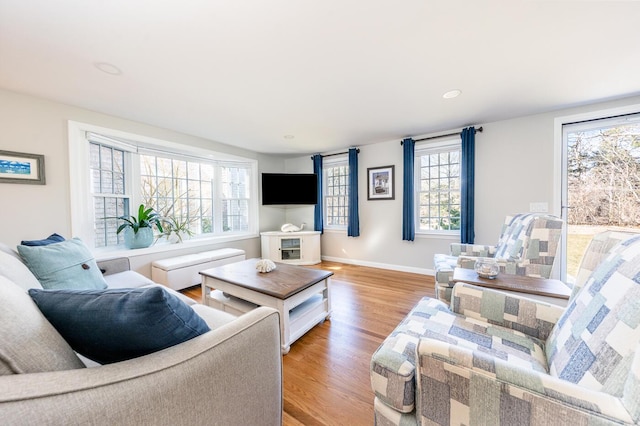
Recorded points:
(336, 192)
(437, 174)
(209, 194)
(106, 164)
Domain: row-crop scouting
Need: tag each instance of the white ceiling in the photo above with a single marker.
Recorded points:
(331, 73)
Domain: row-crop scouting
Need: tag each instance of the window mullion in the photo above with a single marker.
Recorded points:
(217, 199)
(133, 171)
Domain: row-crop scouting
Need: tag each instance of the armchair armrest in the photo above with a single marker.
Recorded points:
(631, 395)
(230, 375)
(528, 316)
(113, 266)
(493, 391)
(460, 249)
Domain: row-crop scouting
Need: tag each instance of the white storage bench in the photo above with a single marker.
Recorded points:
(183, 271)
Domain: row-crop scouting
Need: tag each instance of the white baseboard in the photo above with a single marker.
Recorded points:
(401, 268)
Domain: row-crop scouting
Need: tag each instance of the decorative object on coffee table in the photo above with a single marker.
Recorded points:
(487, 268)
(265, 265)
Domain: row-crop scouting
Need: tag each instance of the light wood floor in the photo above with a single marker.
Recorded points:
(326, 373)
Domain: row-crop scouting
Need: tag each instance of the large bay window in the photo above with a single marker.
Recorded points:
(207, 194)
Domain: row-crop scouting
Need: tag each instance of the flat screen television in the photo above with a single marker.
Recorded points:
(289, 188)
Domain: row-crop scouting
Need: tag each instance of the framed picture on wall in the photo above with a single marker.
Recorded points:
(19, 167)
(380, 183)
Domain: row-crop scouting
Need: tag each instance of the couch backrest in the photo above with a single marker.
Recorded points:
(598, 249)
(594, 342)
(12, 268)
(504, 232)
(30, 344)
(531, 239)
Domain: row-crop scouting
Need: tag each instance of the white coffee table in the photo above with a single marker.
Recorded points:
(301, 295)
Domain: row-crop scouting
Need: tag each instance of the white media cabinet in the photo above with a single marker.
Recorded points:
(295, 248)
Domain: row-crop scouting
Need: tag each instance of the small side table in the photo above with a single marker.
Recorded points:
(547, 290)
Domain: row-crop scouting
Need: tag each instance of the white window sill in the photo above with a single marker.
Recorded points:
(439, 235)
(335, 230)
(163, 246)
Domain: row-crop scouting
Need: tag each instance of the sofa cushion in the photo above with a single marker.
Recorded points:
(29, 343)
(133, 279)
(8, 250)
(594, 341)
(214, 318)
(68, 264)
(14, 270)
(393, 364)
(511, 243)
(51, 239)
(127, 279)
(118, 324)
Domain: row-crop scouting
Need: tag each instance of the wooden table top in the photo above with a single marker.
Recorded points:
(518, 283)
(283, 282)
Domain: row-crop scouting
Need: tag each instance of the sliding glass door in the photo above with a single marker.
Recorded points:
(601, 182)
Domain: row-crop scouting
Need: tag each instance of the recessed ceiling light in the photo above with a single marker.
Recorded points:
(289, 136)
(108, 68)
(452, 94)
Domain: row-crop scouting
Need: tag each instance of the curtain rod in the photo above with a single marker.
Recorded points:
(337, 153)
(479, 129)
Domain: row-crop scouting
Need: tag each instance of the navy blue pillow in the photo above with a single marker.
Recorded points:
(53, 238)
(118, 324)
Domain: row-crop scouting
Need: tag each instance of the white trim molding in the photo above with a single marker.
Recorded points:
(388, 266)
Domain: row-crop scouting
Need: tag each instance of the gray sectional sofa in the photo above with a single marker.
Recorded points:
(231, 374)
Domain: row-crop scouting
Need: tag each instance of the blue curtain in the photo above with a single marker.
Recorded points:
(408, 195)
(353, 228)
(317, 214)
(467, 172)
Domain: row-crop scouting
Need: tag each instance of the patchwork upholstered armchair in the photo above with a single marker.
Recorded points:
(491, 358)
(527, 245)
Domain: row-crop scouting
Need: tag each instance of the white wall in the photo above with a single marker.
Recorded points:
(38, 126)
(514, 167)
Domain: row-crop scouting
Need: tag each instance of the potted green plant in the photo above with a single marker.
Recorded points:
(176, 229)
(139, 230)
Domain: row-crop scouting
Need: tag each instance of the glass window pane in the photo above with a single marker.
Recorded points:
(94, 156)
(105, 158)
(193, 169)
(206, 171)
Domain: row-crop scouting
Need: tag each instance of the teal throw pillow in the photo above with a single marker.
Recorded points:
(67, 264)
(118, 324)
